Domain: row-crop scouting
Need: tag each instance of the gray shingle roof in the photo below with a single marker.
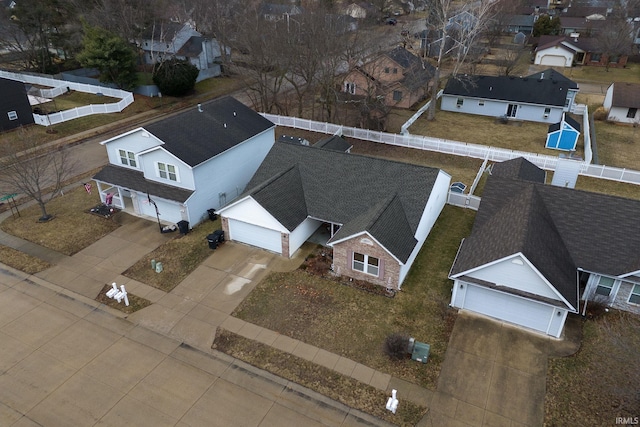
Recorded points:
(195, 137)
(386, 198)
(551, 74)
(335, 142)
(404, 58)
(519, 168)
(192, 48)
(135, 180)
(165, 31)
(558, 229)
(516, 89)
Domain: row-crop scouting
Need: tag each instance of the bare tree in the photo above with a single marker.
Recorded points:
(616, 39)
(38, 175)
(459, 26)
(509, 60)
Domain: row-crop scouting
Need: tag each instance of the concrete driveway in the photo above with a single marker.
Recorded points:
(494, 374)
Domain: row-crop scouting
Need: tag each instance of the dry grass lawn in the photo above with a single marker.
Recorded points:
(354, 323)
(618, 145)
(599, 382)
(518, 136)
(21, 261)
(318, 378)
(631, 74)
(179, 257)
(75, 99)
(72, 228)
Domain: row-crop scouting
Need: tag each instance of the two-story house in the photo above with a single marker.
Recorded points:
(183, 165)
(168, 40)
(398, 75)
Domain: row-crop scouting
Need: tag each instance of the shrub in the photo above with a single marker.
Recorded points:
(396, 346)
(175, 78)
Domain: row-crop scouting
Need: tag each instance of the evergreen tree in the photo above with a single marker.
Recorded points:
(111, 55)
(175, 78)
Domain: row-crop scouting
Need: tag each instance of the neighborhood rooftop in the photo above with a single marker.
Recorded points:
(201, 133)
(558, 229)
(517, 89)
(385, 198)
(626, 95)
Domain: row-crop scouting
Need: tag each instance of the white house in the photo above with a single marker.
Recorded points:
(188, 163)
(376, 213)
(540, 97)
(168, 40)
(622, 102)
(539, 252)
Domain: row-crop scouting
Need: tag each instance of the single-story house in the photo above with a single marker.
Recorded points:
(538, 252)
(178, 168)
(622, 102)
(519, 24)
(15, 110)
(564, 134)
(278, 12)
(564, 51)
(378, 212)
(541, 97)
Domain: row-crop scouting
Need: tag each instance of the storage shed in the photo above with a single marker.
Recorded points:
(563, 135)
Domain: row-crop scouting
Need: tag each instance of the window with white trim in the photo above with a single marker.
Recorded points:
(366, 264)
(128, 158)
(634, 298)
(459, 102)
(350, 87)
(547, 111)
(12, 115)
(167, 171)
(605, 286)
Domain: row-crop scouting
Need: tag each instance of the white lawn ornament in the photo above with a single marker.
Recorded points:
(118, 294)
(392, 403)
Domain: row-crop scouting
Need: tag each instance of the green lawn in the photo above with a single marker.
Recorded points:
(355, 323)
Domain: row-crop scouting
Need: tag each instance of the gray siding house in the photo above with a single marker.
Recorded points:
(194, 161)
(540, 97)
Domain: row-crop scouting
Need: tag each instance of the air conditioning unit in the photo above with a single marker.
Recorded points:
(546, 116)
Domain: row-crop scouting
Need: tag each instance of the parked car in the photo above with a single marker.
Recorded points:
(391, 21)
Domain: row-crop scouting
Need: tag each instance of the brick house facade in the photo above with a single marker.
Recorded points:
(388, 267)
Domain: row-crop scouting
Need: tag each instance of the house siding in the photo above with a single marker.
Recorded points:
(619, 114)
(342, 261)
(14, 98)
(148, 163)
(494, 108)
(135, 142)
(300, 235)
(622, 297)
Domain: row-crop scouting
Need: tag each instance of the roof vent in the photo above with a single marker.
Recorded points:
(542, 76)
(225, 125)
(200, 108)
(234, 114)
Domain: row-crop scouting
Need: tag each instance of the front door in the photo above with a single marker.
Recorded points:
(511, 110)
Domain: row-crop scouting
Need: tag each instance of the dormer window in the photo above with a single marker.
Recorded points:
(128, 158)
(167, 171)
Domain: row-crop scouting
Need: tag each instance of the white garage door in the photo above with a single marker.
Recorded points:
(553, 60)
(169, 212)
(510, 308)
(255, 235)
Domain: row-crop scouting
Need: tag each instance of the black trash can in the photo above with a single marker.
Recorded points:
(183, 226)
(212, 214)
(220, 235)
(213, 241)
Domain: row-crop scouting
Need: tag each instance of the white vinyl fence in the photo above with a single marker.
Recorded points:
(464, 200)
(58, 87)
(456, 148)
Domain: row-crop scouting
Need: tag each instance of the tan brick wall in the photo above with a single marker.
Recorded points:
(284, 239)
(342, 262)
(225, 227)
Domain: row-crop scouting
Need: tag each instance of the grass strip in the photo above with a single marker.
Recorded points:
(323, 380)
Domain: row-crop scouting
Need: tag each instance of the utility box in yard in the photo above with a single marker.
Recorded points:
(420, 352)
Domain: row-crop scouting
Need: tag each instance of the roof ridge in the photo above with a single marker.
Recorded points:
(383, 207)
(271, 180)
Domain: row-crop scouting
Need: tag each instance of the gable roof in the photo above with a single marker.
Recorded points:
(196, 136)
(403, 57)
(334, 142)
(586, 44)
(519, 168)
(192, 47)
(382, 197)
(515, 89)
(626, 95)
(558, 229)
(551, 74)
